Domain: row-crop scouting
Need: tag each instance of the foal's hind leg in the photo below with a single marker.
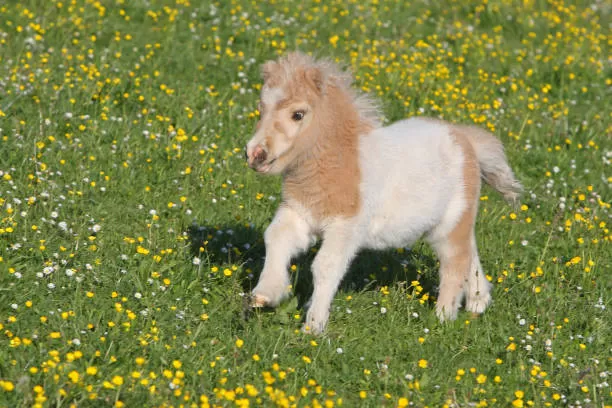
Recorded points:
(478, 290)
(455, 260)
(460, 274)
(460, 270)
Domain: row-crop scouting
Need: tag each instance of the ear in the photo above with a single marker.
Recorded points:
(315, 79)
(268, 70)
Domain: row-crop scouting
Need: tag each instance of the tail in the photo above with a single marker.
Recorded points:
(494, 167)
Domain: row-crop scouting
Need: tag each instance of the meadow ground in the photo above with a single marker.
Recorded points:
(131, 228)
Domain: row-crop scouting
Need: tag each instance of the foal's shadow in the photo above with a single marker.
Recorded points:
(370, 270)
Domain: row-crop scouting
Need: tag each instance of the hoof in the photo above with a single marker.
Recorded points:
(258, 301)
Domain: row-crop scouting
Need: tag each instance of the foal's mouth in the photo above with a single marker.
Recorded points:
(264, 167)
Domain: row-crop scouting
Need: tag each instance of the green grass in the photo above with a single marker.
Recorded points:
(121, 133)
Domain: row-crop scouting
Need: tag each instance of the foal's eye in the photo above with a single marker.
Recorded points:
(298, 115)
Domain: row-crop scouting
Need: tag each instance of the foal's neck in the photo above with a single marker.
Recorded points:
(325, 179)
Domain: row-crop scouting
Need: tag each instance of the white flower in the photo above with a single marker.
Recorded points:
(138, 295)
(196, 260)
(14, 306)
(69, 272)
(339, 350)
(76, 342)
(522, 322)
(51, 285)
(96, 228)
(383, 310)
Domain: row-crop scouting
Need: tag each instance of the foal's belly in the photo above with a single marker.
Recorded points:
(396, 231)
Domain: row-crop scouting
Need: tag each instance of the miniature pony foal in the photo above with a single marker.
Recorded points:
(358, 185)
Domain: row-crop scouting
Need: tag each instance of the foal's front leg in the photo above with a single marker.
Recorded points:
(329, 267)
(287, 236)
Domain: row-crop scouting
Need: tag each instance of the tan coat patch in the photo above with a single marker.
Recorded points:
(326, 178)
(456, 259)
(321, 168)
(461, 235)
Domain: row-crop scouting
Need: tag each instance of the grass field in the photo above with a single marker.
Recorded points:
(131, 227)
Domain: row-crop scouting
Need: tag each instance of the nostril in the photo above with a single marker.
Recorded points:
(259, 155)
(262, 156)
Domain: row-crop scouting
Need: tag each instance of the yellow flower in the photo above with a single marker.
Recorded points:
(74, 376)
(7, 386)
(333, 40)
(423, 363)
(142, 250)
(91, 370)
(117, 380)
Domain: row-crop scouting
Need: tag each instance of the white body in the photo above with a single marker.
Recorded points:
(412, 183)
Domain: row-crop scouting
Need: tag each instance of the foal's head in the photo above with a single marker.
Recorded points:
(291, 93)
(301, 98)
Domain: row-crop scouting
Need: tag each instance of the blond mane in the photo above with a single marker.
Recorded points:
(287, 68)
